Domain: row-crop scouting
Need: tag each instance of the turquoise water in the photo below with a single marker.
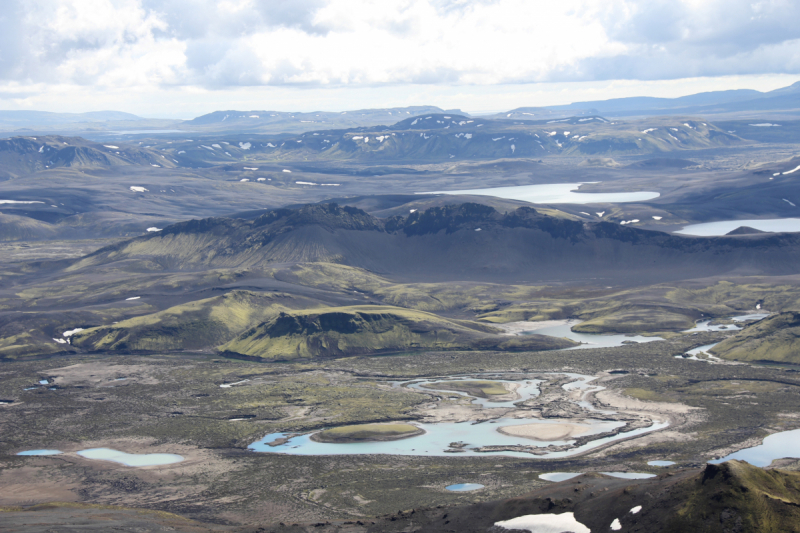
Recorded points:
(434, 441)
(776, 446)
(437, 437)
(554, 193)
(660, 463)
(40, 452)
(464, 487)
(711, 229)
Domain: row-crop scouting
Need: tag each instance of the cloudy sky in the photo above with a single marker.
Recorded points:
(182, 58)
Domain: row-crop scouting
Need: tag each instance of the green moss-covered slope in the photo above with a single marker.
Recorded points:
(201, 324)
(368, 329)
(776, 338)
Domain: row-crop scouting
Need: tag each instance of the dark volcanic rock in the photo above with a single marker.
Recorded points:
(745, 230)
(458, 242)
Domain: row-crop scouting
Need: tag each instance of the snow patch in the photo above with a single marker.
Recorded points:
(245, 146)
(792, 171)
(657, 218)
(649, 130)
(71, 332)
(615, 525)
(110, 146)
(152, 229)
(229, 385)
(132, 298)
(250, 168)
(545, 523)
(788, 202)
(639, 507)
(287, 171)
(20, 202)
(136, 188)
(765, 125)
(305, 183)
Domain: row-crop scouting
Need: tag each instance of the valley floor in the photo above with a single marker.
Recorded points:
(174, 404)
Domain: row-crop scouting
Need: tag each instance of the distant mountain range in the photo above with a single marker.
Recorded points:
(710, 103)
(24, 119)
(740, 101)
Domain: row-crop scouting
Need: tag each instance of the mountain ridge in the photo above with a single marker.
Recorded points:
(462, 242)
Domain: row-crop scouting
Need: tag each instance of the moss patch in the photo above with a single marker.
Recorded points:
(367, 433)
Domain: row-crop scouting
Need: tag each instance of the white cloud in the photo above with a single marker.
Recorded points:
(140, 47)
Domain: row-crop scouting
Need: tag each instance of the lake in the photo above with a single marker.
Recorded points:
(775, 446)
(554, 193)
(722, 227)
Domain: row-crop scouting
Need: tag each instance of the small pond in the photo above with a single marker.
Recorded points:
(40, 452)
(775, 446)
(660, 463)
(559, 476)
(712, 229)
(464, 487)
(130, 459)
(555, 193)
(629, 475)
(108, 454)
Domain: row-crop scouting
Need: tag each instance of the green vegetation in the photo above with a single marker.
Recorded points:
(372, 329)
(198, 324)
(367, 433)
(647, 395)
(480, 389)
(636, 320)
(776, 338)
(755, 500)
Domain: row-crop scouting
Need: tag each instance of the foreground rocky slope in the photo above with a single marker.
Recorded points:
(731, 497)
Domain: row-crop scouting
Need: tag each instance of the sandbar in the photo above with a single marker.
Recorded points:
(546, 432)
